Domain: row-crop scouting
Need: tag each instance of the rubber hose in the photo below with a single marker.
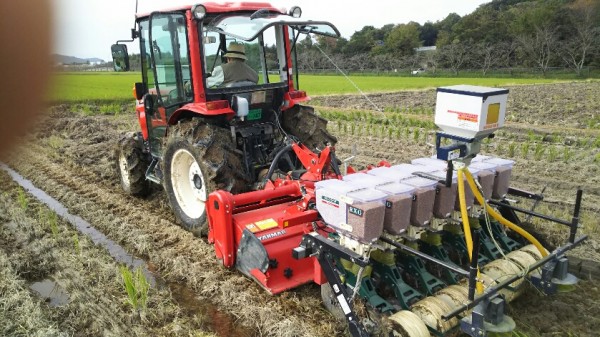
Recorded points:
(466, 226)
(273, 166)
(463, 213)
(500, 218)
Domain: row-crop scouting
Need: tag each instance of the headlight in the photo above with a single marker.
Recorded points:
(199, 12)
(295, 12)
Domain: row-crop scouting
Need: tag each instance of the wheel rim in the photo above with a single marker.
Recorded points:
(124, 167)
(188, 184)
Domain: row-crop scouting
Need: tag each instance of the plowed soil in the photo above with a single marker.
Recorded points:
(71, 158)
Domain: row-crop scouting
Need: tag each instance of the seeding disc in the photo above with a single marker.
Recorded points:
(533, 251)
(406, 324)
(431, 309)
(455, 296)
(523, 260)
(500, 270)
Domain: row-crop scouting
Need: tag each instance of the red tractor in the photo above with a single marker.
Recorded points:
(245, 160)
(194, 138)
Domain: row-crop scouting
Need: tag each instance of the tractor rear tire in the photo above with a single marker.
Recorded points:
(310, 129)
(199, 158)
(131, 165)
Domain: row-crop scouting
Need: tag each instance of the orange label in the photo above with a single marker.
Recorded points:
(465, 116)
(251, 227)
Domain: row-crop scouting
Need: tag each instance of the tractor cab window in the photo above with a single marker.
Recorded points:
(259, 54)
(262, 38)
(168, 46)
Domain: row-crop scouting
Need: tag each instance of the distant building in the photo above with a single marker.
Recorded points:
(426, 49)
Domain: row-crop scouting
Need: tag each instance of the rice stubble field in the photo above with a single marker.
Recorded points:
(70, 157)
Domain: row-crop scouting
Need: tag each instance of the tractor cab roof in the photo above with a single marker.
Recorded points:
(223, 7)
(247, 28)
(247, 20)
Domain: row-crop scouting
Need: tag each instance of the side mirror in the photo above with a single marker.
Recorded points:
(139, 90)
(120, 57)
(149, 104)
(209, 39)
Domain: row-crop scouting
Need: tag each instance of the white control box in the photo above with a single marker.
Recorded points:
(469, 111)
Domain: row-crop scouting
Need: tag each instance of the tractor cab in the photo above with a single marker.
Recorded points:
(180, 50)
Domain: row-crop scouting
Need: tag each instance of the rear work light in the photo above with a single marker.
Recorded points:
(217, 105)
(297, 94)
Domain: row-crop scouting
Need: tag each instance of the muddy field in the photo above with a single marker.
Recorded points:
(70, 157)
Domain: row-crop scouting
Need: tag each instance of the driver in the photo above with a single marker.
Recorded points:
(235, 70)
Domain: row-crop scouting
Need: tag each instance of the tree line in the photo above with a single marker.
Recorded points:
(534, 34)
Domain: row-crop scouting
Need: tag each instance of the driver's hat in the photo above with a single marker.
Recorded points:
(236, 50)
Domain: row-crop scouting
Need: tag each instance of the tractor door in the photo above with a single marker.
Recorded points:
(168, 77)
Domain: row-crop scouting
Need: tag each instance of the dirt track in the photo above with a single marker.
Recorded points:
(70, 157)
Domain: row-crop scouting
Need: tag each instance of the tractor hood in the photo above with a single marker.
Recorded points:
(246, 27)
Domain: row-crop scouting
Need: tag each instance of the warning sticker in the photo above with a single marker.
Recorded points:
(261, 225)
(252, 228)
(465, 116)
(266, 224)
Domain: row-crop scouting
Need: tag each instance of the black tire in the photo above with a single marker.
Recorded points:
(131, 164)
(205, 154)
(310, 129)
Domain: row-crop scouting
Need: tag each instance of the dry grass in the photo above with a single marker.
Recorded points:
(20, 313)
(97, 302)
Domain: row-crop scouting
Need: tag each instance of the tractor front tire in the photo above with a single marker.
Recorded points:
(199, 158)
(310, 129)
(131, 165)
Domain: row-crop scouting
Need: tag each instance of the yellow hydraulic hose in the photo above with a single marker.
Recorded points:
(466, 226)
(463, 213)
(496, 215)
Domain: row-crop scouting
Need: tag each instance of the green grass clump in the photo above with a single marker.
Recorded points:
(137, 287)
(552, 153)
(567, 154)
(539, 150)
(525, 149)
(52, 219)
(22, 199)
(511, 149)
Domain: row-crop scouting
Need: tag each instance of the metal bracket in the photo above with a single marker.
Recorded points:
(554, 275)
(326, 251)
(488, 316)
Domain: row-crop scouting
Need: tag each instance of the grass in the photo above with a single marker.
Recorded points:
(74, 87)
(102, 87)
(137, 287)
(52, 219)
(331, 85)
(22, 199)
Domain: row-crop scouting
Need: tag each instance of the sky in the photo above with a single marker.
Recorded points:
(87, 28)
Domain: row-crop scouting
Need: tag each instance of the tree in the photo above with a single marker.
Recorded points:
(539, 47)
(360, 62)
(403, 39)
(454, 56)
(506, 53)
(486, 56)
(428, 34)
(432, 59)
(361, 41)
(583, 42)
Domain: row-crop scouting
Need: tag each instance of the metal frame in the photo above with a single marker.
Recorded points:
(326, 251)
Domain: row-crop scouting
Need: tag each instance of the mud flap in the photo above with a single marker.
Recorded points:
(251, 254)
